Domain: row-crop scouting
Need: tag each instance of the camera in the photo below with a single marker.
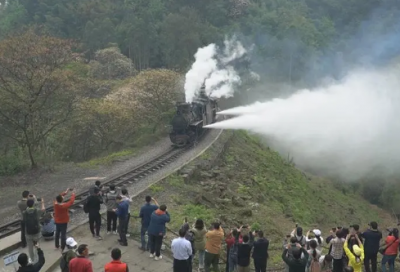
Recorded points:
(71, 189)
(39, 199)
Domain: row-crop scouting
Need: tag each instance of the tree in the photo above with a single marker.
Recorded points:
(37, 95)
(109, 63)
(152, 94)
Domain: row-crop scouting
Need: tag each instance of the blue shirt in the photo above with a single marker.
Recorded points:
(145, 213)
(49, 227)
(123, 209)
(157, 223)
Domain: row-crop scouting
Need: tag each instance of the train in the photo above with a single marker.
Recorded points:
(190, 119)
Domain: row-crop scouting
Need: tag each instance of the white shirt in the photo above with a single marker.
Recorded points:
(181, 248)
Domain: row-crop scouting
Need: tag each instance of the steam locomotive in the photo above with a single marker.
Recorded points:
(190, 118)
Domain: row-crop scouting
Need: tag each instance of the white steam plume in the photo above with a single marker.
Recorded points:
(212, 67)
(346, 129)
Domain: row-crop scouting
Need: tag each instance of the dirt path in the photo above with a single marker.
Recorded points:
(48, 185)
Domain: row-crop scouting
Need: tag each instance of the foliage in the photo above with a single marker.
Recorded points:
(109, 63)
(291, 36)
(37, 95)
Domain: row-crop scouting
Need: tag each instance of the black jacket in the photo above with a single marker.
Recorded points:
(94, 204)
(372, 240)
(36, 266)
(244, 251)
(260, 250)
(296, 265)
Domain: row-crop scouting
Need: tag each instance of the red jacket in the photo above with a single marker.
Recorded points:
(394, 248)
(61, 210)
(116, 266)
(80, 264)
(230, 240)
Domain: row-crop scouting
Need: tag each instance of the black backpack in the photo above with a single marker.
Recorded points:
(85, 206)
(31, 220)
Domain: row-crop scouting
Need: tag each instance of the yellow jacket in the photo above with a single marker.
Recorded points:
(357, 266)
(214, 240)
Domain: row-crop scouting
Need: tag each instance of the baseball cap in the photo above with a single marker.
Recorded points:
(71, 242)
(317, 232)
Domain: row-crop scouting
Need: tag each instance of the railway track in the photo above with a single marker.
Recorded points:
(127, 178)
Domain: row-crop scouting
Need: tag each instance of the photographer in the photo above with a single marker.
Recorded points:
(61, 217)
(372, 239)
(391, 250)
(260, 252)
(22, 207)
(296, 263)
(31, 218)
(25, 266)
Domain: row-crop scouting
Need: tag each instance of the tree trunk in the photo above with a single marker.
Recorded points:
(33, 161)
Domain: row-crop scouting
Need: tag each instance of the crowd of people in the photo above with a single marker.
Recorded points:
(344, 250)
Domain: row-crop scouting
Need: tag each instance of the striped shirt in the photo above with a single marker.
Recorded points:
(337, 248)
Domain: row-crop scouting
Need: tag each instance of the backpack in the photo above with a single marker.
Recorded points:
(315, 266)
(31, 220)
(63, 263)
(300, 241)
(85, 206)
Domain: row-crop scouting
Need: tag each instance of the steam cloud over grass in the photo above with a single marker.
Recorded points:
(212, 65)
(347, 129)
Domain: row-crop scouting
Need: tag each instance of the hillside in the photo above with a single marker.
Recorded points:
(250, 184)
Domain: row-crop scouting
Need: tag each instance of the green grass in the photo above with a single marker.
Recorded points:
(156, 188)
(175, 180)
(106, 160)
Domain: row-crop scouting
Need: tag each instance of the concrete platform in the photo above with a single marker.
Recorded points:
(136, 259)
(51, 254)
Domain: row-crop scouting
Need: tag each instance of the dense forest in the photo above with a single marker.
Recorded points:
(80, 78)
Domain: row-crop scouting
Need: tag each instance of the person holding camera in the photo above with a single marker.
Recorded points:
(295, 263)
(372, 239)
(260, 252)
(214, 240)
(31, 218)
(61, 217)
(356, 254)
(22, 207)
(391, 250)
(25, 266)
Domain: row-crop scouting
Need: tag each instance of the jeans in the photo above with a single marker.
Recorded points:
(121, 230)
(155, 245)
(201, 258)
(390, 260)
(30, 240)
(23, 238)
(181, 265)
(95, 218)
(211, 259)
(260, 265)
(111, 218)
(143, 231)
(373, 259)
(61, 229)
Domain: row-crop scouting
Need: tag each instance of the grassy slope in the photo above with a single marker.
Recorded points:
(250, 176)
